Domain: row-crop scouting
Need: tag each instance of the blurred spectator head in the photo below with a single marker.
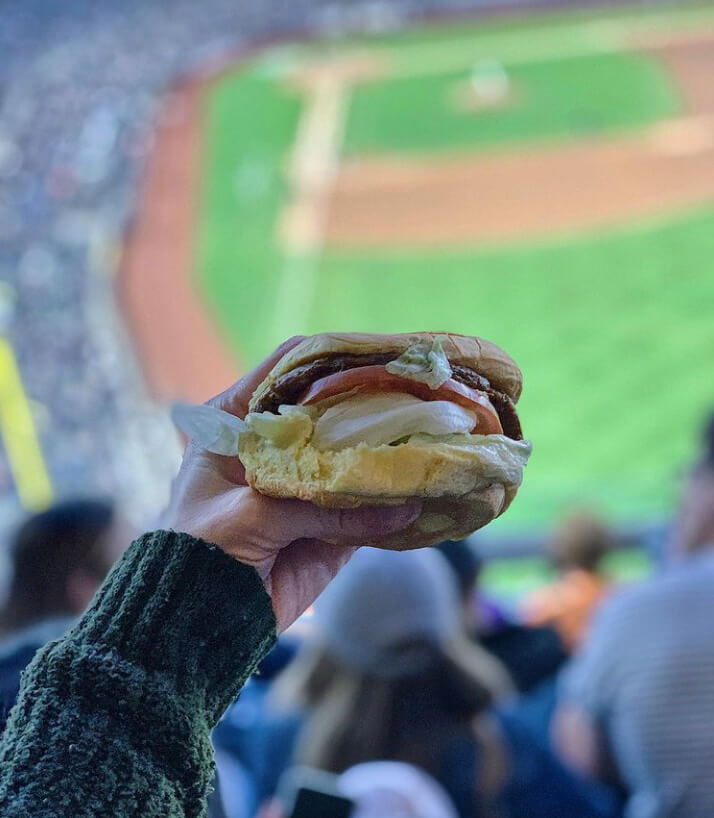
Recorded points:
(694, 528)
(391, 789)
(411, 598)
(59, 558)
(706, 460)
(580, 542)
(389, 646)
(464, 562)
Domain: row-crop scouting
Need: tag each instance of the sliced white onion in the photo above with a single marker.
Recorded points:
(385, 418)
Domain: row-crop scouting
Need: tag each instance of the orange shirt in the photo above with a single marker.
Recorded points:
(567, 604)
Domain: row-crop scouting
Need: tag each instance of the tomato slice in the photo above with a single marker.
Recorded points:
(370, 379)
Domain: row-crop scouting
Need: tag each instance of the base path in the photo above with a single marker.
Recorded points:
(179, 347)
(539, 190)
(506, 196)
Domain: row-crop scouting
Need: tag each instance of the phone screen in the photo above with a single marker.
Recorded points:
(311, 803)
(310, 793)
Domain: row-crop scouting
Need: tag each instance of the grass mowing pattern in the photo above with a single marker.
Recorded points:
(573, 97)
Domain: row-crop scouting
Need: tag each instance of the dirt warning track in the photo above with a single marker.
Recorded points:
(177, 341)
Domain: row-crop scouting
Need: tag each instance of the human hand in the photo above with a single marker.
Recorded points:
(286, 541)
(271, 809)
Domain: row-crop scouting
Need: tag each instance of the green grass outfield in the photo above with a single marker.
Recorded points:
(607, 328)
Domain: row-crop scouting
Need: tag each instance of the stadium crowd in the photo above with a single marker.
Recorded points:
(413, 689)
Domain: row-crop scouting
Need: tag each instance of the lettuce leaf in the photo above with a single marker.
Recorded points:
(502, 458)
(217, 431)
(291, 426)
(423, 362)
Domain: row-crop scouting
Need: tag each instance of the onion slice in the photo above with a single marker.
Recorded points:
(376, 380)
(386, 418)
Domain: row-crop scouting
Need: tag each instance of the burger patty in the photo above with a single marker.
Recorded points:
(291, 386)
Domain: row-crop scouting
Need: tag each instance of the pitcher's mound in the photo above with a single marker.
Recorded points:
(487, 87)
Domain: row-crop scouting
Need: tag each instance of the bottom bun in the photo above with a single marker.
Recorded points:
(457, 497)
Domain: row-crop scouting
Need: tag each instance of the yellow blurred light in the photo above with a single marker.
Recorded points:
(20, 436)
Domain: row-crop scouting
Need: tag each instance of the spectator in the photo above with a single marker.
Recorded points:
(637, 702)
(59, 558)
(391, 680)
(387, 680)
(577, 549)
(531, 655)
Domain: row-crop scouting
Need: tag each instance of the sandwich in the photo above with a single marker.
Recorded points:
(345, 420)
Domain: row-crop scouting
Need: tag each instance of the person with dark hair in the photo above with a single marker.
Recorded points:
(115, 717)
(531, 655)
(59, 558)
(388, 678)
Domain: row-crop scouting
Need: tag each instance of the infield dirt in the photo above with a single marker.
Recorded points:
(544, 190)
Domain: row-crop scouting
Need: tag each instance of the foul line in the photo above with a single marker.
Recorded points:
(20, 436)
(313, 165)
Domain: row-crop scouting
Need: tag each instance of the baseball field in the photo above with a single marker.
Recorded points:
(545, 181)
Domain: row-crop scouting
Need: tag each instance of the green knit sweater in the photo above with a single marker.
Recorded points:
(115, 718)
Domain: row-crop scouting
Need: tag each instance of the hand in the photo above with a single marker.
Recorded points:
(284, 540)
(271, 809)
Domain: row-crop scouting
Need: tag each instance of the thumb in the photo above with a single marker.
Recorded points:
(290, 520)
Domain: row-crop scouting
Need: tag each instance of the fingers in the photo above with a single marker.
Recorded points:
(288, 520)
(301, 573)
(272, 809)
(235, 399)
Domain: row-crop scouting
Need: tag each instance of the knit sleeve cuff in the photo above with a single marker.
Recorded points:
(183, 608)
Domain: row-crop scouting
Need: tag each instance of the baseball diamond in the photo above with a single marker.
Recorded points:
(544, 181)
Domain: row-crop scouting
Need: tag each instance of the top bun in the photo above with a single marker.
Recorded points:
(478, 354)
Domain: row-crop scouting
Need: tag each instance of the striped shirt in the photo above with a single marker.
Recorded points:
(646, 677)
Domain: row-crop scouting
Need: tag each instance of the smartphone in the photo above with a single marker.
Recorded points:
(309, 793)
